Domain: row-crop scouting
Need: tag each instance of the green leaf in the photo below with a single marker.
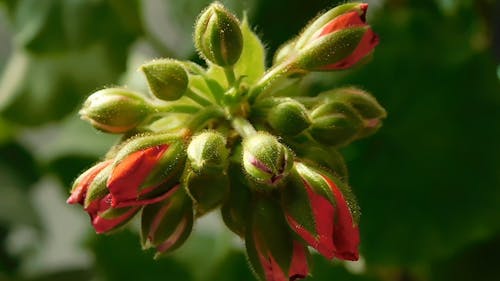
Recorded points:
(253, 57)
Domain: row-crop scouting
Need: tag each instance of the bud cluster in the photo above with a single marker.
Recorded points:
(226, 136)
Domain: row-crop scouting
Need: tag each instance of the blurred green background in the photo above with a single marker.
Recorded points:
(428, 182)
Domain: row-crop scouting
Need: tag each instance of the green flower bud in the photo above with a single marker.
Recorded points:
(166, 225)
(335, 123)
(288, 117)
(167, 78)
(218, 36)
(265, 159)
(365, 105)
(207, 189)
(115, 110)
(235, 210)
(284, 51)
(207, 151)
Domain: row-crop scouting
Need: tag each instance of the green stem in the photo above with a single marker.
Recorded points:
(243, 127)
(201, 118)
(271, 77)
(197, 98)
(230, 76)
(176, 108)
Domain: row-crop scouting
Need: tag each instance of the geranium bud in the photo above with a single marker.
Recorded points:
(145, 169)
(90, 191)
(365, 105)
(322, 211)
(284, 51)
(167, 78)
(207, 151)
(167, 224)
(265, 159)
(336, 40)
(272, 251)
(288, 117)
(218, 36)
(335, 123)
(207, 188)
(115, 110)
(235, 210)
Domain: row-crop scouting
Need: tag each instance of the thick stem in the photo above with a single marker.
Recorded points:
(230, 76)
(197, 98)
(243, 127)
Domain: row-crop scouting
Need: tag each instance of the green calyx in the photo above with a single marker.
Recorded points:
(207, 151)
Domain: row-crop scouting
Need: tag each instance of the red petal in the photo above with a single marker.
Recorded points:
(272, 270)
(298, 267)
(323, 213)
(346, 236)
(79, 192)
(350, 19)
(365, 46)
(128, 175)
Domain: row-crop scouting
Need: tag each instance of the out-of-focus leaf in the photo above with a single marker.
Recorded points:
(17, 173)
(326, 270)
(252, 60)
(35, 90)
(119, 257)
(234, 266)
(66, 275)
(8, 263)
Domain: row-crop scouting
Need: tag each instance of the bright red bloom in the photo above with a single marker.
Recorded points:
(138, 178)
(333, 231)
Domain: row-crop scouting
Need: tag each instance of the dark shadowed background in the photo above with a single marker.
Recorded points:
(428, 182)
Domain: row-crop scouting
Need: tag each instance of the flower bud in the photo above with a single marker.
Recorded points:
(322, 211)
(167, 224)
(207, 151)
(272, 251)
(265, 159)
(288, 117)
(235, 210)
(115, 110)
(167, 78)
(90, 191)
(145, 169)
(335, 123)
(337, 40)
(365, 105)
(207, 188)
(218, 36)
(284, 51)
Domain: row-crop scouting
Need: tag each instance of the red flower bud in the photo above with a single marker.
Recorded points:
(318, 209)
(337, 40)
(272, 251)
(103, 217)
(145, 169)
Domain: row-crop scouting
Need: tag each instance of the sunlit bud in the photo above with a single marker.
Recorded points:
(167, 224)
(337, 40)
(145, 169)
(218, 36)
(265, 159)
(322, 211)
(272, 251)
(167, 78)
(115, 110)
(207, 151)
(287, 116)
(284, 51)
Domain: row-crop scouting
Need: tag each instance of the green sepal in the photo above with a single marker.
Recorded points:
(97, 188)
(208, 150)
(286, 116)
(208, 189)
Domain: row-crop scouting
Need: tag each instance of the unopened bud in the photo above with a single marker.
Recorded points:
(207, 151)
(167, 224)
(167, 78)
(207, 188)
(335, 123)
(115, 110)
(265, 159)
(288, 117)
(218, 35)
